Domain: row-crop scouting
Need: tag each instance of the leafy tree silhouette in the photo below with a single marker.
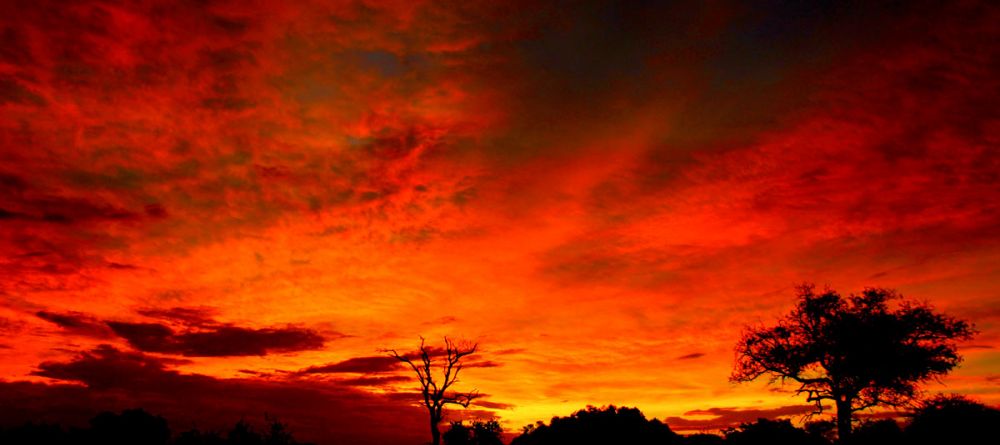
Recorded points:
(703, 439)
(243, 434)
(857, 352)
(41, 433)
(435, 392)
(599, 426)
(876, 432)
(487, 432)
(277, 433)
(768, 432)
(952, 419)
(822, 428)
(458, 434)
(480, 433)
(138, 427)
(132, 426)
(196, 437)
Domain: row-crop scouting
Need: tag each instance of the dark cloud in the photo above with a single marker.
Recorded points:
(106, 378)
(106, 367)
(62, 210)
(375, 381)
(728, 417)
(691, 356)
(383, 364)
(492, 405)
(218, 341)
(190, 316)
(364, 365)
(474, 363)
(77, 323)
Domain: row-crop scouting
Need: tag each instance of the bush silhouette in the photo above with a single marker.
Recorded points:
(138, 427)
(457, 434)
(479, 433)
(610, 425)
(876, 432)
(767, 432)
(704, 439)
(32, 433)
(132, 426)
(939, 420)
(952, 419)
(196, 437)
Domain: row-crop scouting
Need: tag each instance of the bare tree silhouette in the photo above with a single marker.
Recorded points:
(857, 352)
(435, 392)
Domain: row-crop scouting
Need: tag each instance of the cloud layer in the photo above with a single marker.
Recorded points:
(229, 198)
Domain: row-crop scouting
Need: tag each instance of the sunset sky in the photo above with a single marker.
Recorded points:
(215, 209)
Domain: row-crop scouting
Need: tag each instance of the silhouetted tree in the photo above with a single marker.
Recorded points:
(857, 352)
(435, 392)
(703, 439)
(137, 427)
(823, 428)
(487, 432)
(31, 434)
(277, 433)
(132, 426)
(876, 432)
(599, 426)
(196, 437)
(769, 432)
(481, 432)
(458, 434)
(243, 434)
(953, 419)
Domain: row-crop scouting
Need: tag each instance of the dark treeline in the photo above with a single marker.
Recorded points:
(138, 427)
(941, 420)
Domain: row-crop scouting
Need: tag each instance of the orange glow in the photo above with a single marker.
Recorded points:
(240, 191)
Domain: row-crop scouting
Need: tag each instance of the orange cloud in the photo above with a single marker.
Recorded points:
(231, 197)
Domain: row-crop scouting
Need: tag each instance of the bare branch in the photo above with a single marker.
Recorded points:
(434, 392)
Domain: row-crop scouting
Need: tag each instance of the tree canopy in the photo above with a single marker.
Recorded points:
(599, 426)
(863, 351)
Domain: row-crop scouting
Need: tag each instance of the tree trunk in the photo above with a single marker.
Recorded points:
(435, 432)
(844, 419)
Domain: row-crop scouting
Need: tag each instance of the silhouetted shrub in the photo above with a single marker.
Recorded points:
(824, 429)
(876, 432)
(137, 427)
(953, 420)
(769, 432)
(610, 425)
(481, 432)
(487, 432)
(243, 434)
(132, 426)
(32, 433)
(704, 439)
(457, 434)
(196, 437)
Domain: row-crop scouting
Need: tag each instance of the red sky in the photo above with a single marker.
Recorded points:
(215, 209)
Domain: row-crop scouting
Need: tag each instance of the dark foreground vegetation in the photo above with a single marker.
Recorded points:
(941, 420)
(861, 352)
(138, 427)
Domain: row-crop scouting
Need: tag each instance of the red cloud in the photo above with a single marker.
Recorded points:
(321, 411)
(220, 341)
